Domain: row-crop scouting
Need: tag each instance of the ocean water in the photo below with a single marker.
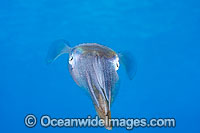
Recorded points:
(163, 36)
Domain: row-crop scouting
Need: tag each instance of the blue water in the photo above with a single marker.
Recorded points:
(163, 36)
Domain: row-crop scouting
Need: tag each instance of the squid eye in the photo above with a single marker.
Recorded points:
(70, 60)
(117, 66)
(116, 63)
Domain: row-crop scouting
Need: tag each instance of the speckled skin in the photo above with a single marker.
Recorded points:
(93, 67)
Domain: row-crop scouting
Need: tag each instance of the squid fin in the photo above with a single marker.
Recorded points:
(56, 49)
(129, 62)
